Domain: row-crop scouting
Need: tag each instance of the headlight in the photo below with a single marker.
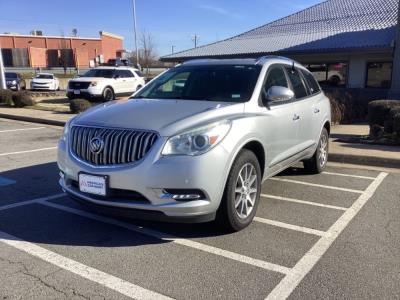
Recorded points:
(14, 82)
(197, 141)
(66, 129)
(93, 83)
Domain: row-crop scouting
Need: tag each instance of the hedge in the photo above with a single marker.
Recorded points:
(79, 105)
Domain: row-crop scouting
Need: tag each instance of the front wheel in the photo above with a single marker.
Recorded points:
(242, 192)
(108, 94)
(317, 163)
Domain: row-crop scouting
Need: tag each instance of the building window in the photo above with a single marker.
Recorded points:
(379, 75)
(332, 74)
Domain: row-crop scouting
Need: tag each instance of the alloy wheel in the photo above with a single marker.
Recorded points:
(323, 150)
(246, 191)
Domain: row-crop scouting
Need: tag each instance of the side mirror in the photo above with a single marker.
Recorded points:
(278, 94)
(116, 76)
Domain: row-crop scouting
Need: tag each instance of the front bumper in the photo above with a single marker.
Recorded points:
(150, 178)
(89, 93)
(47, 87)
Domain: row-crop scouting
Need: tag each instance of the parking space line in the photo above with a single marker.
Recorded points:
(303, 202)
(349, 175)
(290, 226)
(318, 185)
(21, 129)
(28, 151)
(117, 284)
(181, 241)
(37, 200)
(308, 261)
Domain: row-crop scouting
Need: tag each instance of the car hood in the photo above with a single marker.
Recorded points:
(167, 117)
(88, 79)
(42, 80)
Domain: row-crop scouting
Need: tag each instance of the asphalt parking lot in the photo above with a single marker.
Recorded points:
(334, 235)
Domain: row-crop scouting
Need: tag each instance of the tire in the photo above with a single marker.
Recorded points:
(108, 94)
(138, 87)
(317, 163)
(236, 212)
(334, 80)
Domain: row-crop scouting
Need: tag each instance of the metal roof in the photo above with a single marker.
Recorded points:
(332, 25)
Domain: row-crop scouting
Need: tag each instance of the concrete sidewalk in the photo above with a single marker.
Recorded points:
(358, 153)
(351, 153)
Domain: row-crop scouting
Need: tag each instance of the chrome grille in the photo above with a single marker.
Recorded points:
(121, 146)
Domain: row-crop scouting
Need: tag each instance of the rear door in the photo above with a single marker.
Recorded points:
(130, 81)
(315, 109)
(279, 127)
(119, 83)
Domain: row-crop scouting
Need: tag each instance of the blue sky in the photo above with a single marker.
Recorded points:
(171, 22)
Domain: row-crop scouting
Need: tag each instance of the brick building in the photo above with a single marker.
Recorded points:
(58, 51)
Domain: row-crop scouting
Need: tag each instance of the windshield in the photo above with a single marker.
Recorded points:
(44, 76)
(220, 83)
(106, 73)
(11, 75)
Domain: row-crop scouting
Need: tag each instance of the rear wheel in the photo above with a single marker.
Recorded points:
(317, 163)
(108, 94)
(138, 87)
(242, 192)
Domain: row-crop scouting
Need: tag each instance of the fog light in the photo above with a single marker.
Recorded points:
(184, 194)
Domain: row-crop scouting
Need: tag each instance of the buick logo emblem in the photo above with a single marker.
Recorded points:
(96, 145)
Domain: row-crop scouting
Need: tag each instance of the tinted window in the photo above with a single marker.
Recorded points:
(220, 83)
(299, 88)
(379, 75)
(124, 73)
(106, 73)
(44, 76)
(312, 83)
(11, 75)
(138, 73)
(276, 77)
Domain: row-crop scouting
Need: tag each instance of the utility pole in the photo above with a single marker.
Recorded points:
(135, 31)
(172, 49)
(195, 39)
(3, 85)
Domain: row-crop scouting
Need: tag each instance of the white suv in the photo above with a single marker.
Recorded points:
(105, 83)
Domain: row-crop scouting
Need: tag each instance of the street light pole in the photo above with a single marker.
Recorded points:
(2, 75)
(135, 30)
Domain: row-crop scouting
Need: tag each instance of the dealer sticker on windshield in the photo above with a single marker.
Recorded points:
(96, 185)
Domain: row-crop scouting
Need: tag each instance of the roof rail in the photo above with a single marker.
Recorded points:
(262, 59)
(199, 60)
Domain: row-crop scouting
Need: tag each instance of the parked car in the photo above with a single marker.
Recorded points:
(105, 83)
(14, 81)
(199, 151)
(45, 81)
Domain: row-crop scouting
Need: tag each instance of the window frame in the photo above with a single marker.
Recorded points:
(306, 82)
(302, 79)
(260, 98)
(366, 74)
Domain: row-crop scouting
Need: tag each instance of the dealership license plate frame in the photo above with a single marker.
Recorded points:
(103, 177)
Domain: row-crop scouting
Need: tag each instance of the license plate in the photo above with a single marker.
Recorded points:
(92, 184)
(77, 92)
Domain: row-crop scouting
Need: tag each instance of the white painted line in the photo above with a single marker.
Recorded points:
(37, 200)
(318, 185)
(303, 202)
(308, 261)
(21, 129)
(290, 226)
(114, 283)
(167, 237)
(28, 151)
(349, 175)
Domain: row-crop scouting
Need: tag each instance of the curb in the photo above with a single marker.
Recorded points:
(364, 160)
(33, 120)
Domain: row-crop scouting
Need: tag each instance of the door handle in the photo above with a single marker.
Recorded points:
(316, 110)
(296, 117)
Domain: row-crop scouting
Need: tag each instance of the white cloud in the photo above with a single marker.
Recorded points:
(220, 11)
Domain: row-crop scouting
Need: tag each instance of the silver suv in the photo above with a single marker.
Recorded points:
(196, 143)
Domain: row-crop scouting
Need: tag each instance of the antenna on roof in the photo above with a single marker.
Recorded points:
(293, 68)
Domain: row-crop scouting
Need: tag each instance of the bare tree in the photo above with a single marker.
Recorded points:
(147, 50)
